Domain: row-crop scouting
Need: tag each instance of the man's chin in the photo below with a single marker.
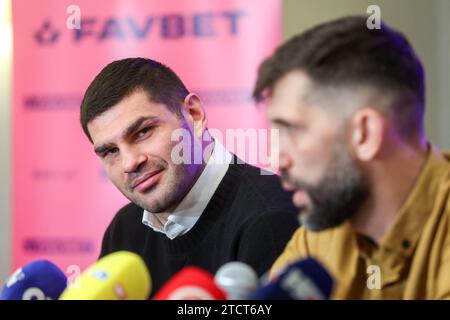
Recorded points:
(302, 218)
(157, 203)
(309, 223)
(147, 204)
(153, 208)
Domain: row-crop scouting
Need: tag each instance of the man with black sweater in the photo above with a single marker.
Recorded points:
(192, 201)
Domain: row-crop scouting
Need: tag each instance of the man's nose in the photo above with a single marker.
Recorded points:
(132, 159)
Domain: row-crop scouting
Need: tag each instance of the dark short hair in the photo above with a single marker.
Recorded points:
(345, 53)
(121, 78)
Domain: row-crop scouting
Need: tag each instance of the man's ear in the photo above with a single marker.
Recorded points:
(368, 128)
(194, 113)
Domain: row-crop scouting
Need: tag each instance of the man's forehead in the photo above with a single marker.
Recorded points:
(294, 85)
(288, 95)
(136, 103)
(296, 92)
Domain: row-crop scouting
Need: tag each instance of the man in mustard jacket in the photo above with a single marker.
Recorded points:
(373, 193)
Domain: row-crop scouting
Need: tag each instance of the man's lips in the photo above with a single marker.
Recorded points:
(299, 197)
(147, 180)
(287, 186)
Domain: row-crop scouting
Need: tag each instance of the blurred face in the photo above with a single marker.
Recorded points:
(133, 140)
(314, 159)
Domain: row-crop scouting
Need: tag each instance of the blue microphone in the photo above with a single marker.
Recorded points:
(38, 280)
(303, 280)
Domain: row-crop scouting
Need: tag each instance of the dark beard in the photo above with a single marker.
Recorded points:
(337, 197)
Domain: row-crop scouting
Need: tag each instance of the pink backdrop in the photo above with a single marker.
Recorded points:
(62, 201)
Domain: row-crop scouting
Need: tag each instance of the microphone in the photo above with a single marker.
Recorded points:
(237, 279)
(38, 280)
(305, 279)
(191, 283)
(121, 275)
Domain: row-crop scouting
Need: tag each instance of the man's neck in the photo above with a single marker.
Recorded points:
(391, 183)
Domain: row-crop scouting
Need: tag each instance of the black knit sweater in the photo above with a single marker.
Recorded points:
(250, 218)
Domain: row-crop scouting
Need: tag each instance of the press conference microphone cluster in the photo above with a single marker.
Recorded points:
(123, 276)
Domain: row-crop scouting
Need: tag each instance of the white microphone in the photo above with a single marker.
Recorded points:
(237, 279)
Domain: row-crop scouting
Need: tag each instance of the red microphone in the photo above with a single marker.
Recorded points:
(191, 283)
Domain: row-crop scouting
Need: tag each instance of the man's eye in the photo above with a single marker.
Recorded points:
(142, 132)
(294, 128)
(110, 152)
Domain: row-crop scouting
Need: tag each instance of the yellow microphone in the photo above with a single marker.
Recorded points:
(120, 275)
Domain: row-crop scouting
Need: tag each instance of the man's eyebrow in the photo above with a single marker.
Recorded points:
(127, 132)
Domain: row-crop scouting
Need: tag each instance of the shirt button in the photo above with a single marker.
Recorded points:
(406, 244)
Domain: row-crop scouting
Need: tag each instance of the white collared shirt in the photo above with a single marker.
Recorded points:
(187, 213)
